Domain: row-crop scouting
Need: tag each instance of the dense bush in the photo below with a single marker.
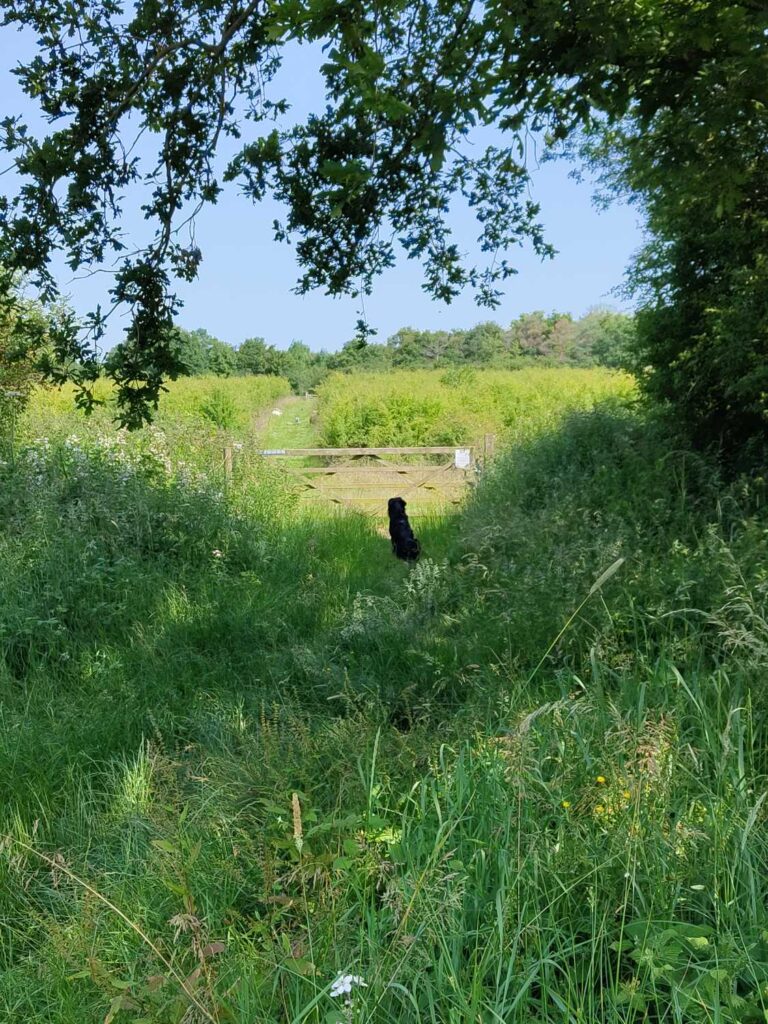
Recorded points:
(700, 175)
(424, 407)
(24, 326)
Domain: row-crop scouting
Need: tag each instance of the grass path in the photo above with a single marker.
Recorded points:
(293, 429)
(190, 685)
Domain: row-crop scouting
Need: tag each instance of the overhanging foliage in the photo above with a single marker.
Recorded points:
(406, 84)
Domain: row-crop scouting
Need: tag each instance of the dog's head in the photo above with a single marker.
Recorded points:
(396, 506)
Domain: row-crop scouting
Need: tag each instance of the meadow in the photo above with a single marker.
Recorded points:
(253, 769)
(196, 418)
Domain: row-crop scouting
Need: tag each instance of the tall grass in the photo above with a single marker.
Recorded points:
(244, 750)
(196, 417)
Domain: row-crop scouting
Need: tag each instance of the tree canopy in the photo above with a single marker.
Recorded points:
(700, 174)
(380, 165)
(602, 337)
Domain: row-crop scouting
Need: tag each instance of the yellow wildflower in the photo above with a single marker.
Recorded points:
(600, 809)
(566, 804)
(600, 780)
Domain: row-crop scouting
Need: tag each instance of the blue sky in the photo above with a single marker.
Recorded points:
(246, 279)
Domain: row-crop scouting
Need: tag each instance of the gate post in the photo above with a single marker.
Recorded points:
(489, 447)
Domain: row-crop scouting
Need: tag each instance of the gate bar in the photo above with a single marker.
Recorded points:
(367, 451)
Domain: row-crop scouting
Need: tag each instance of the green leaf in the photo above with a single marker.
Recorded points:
(164, 845)
(437, 159)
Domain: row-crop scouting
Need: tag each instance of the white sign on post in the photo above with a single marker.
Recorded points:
(462, 458)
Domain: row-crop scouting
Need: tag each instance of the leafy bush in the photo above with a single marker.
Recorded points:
(219, 407)
(457, 406)
(23, 335)
(52, 413)
(700, 175)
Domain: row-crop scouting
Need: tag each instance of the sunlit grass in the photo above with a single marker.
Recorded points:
(295, 428)
(52, 411)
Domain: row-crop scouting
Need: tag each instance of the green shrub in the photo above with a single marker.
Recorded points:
(220, 409)
(430, 407)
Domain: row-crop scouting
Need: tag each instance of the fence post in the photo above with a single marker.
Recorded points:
(489, 447)
(228, 464)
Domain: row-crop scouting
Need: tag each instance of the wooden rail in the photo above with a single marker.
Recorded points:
(343, 452)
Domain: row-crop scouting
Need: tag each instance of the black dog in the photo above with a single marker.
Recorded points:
(404, 544)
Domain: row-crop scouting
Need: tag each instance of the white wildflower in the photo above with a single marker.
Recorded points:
(217, 554)
(344, 984)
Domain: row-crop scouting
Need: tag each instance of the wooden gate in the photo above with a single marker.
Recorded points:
(364, 479)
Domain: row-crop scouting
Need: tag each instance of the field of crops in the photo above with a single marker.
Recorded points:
(432, 407)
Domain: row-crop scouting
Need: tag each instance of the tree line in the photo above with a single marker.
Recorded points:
(602, 337)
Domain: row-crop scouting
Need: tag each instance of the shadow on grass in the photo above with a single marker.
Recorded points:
(132, 607)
